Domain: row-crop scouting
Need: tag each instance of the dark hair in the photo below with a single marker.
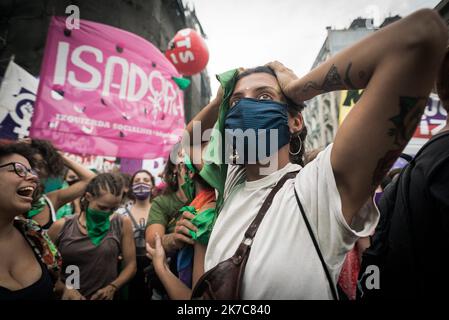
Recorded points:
(294, 110)
(309, 156)
(110, 182)
(53, 160)
(131, 180)
(442, 82)
(259, 69)
(126, 178)
(169, 175)
(22, 149)
(25, 151)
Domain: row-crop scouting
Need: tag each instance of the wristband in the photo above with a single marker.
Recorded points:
(114, 286)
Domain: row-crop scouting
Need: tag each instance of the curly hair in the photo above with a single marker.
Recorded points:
(25, 151)
(53, 162)
(294, 110)
(111, 182)
(22, 149)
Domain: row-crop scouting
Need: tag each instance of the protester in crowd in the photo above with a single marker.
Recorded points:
(164, 213)
(315, 218)
(94, 240)
(140, 189)
(196, 222)
(73, 207)
(47, 160)
(412, 236)
(30, 263)
(165, 209)
(126, 201)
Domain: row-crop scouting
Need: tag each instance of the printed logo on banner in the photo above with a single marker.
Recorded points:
(16, 124)
(17, 98)
(108, 92)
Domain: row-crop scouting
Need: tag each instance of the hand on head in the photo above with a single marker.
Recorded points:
(285, 77)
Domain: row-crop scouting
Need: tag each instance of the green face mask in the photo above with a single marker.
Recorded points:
(97, 223)
(189, 188)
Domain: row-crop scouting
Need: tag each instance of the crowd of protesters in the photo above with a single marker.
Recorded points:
(311, 227)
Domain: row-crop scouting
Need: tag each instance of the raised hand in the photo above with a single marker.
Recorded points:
(184, 226)
(286, 79)
(157, 254)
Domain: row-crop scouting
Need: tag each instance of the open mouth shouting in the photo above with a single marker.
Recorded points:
(26, 192)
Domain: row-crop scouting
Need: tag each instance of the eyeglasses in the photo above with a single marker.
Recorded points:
(20, 169)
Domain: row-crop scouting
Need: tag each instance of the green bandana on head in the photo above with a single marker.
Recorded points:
(97, 223)
(215, 169)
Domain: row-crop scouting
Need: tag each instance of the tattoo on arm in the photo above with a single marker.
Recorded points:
(410, 111)
(333, 81)
(348, 81)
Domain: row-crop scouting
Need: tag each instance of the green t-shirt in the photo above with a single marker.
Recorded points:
(165, 210)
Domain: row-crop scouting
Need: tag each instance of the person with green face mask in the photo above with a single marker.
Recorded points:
(94, 240)
(164, 212)
(196, 222)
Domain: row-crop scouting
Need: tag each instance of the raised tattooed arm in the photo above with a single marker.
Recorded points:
(397, 65)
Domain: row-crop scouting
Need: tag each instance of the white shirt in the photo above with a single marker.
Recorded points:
(283, 263)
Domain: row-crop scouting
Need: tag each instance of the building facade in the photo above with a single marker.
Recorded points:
(322, 112)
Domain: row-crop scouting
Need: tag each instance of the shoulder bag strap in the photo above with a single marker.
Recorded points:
(251, 231)
(243, 250)
(317, 248)
(136, 226)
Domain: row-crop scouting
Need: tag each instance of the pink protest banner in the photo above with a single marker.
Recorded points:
(105, 91)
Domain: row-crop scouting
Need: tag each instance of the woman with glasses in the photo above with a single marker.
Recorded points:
(29, 263)
(50, 163)
(93, 241)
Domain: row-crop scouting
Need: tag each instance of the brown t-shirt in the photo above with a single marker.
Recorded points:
(98, 265)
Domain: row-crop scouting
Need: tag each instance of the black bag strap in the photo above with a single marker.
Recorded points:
(241, 255)
(242, 252)
(254, 226)
(317, 248)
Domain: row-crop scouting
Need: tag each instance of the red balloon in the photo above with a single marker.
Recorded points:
(188, 52)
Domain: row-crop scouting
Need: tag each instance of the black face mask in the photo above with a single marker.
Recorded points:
(71, 182)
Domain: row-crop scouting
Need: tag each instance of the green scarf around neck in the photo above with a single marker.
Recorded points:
(97, 224)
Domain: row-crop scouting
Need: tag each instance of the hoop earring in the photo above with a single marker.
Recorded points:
(234, 156)
(300, 147)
